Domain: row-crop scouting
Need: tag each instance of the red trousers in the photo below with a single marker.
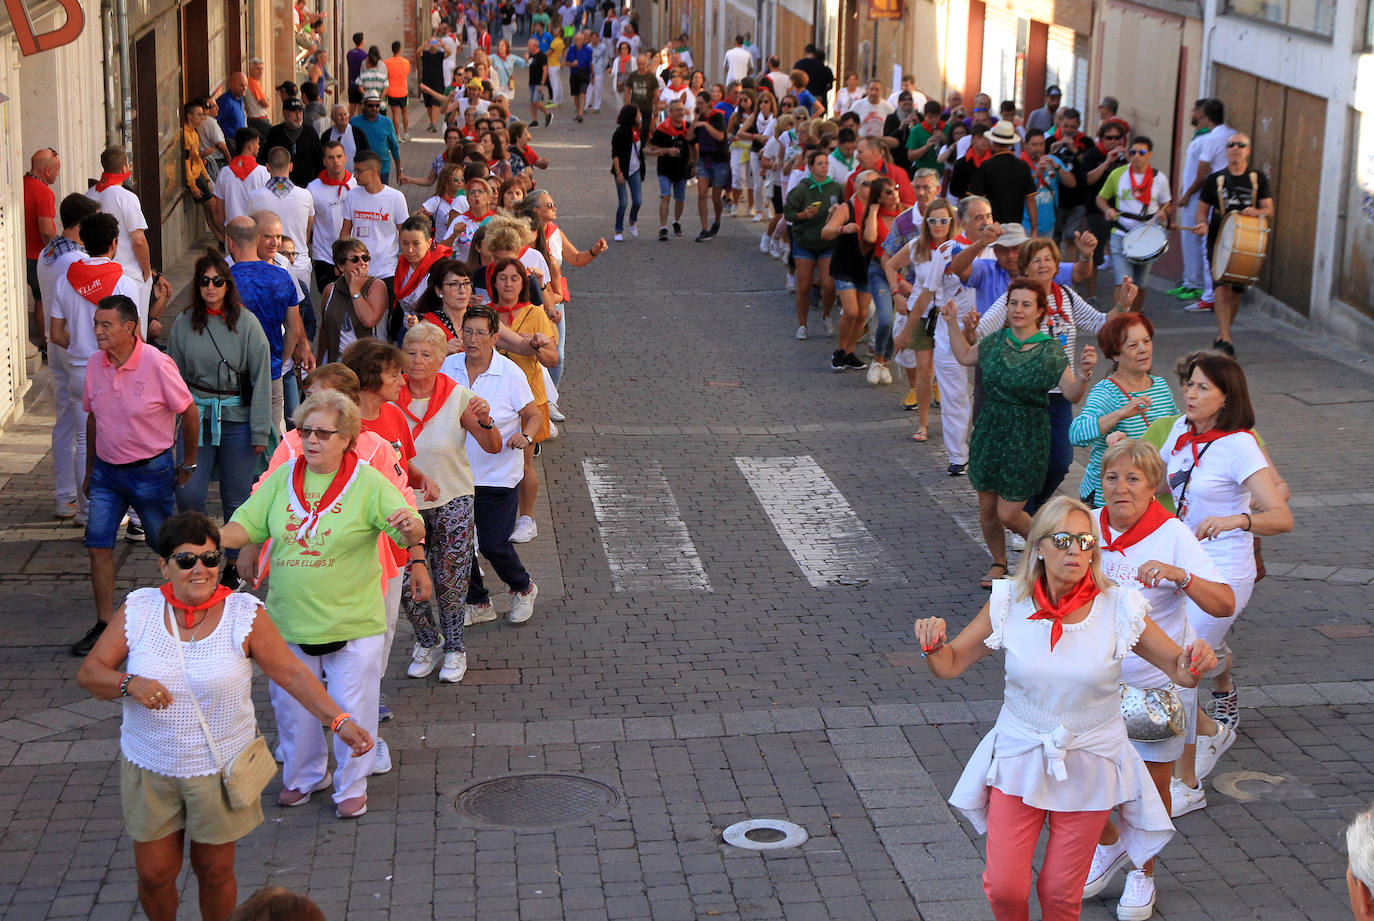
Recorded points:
(1013, 829)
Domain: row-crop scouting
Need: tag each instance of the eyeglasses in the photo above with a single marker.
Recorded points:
(939, 221)
(188, 560)
(1236, 144)
(206, 281)
(359, 257)
(1138, 152)
(460, 284)
(1062, 540)
(475, 333)
(290, 257)
(322, 434)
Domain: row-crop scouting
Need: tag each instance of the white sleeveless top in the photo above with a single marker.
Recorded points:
(171, 741)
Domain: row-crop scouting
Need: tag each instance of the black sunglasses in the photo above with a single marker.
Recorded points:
(206, 281)
(359, 257)
(187, 560)
(1236, 144)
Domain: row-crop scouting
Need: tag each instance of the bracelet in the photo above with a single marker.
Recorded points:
(419, 562)
(124, 685)
(1187, 581)
(339, 721)
(486, 425)
(1248, 521)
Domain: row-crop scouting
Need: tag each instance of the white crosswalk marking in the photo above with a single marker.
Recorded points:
(816, 522)
(646, 542)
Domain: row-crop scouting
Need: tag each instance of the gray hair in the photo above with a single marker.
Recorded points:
(1359, 843)
(424, 331)
(925, 172)
(332, 401)
(967, 202)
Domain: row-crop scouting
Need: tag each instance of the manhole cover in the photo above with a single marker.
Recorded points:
(764, 834)
(535, 800)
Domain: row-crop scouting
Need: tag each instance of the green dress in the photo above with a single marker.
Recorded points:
(1010, 447)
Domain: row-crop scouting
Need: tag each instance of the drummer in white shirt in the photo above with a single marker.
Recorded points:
(1134, 196)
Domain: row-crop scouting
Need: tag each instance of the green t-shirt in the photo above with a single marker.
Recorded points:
(915, 140)
(328, 587)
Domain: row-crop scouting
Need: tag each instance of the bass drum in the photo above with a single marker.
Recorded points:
(1145, 244)
(1240, 249)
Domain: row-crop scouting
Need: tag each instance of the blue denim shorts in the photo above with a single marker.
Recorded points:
(842, 285)
(801, 252)
(147, 489)
(678, 188)
(718, 174)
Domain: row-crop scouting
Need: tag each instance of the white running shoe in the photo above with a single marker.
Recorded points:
(633, 228)
(619, 237)
(801, 332)
(553, 430)
(1185, 799)
(478, 614)
(382, 763)
(875, 373)
(791, 281)
(522, 609)
(525, 530)
(1138, 898)
(423, 660)
(887, 374)
(829, 326)
(455, 667)
(775, 249)
(1211, 748)
(765, 246)
(1108, 859)
(758, 216)
(555, 413)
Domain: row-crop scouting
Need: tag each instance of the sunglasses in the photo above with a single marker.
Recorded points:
(1062, 540)
(980, 110)
(938, 221)
(356, 258)
(188, 560)
(290, 257)
(1111, 137)
(321, 434)
(1236, 144)
(206, 281)
(1138, 152)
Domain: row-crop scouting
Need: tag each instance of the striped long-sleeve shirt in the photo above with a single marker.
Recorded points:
(1106, 397)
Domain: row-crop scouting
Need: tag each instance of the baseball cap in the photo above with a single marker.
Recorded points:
(1012, 235)
(1053, 90)
(371, 96)
(293, 104)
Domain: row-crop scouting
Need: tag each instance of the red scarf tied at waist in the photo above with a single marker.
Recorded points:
(340, 184)
(109, 179)
(1154, 518)
(1191, 438)
(408, 278)
(188, 611)
(1082, 593)
(242, 165)
(443, 389)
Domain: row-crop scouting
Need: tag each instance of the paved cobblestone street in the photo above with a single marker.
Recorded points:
(697, 646)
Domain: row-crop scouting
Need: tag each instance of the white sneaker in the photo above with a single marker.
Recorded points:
(619, 237)
(278, 755)
(776, 250)
(765, 246)
(522, 609)
(791, 281)
(875, 373)
(1138, 898)
(525, 530)
(478, 613)
(553, 429)
(382, 763)
(1185, 799)
(1211, 748)
(758, 216)
(829, 326)
(633, 229)
(423, 660)
(1108, 859)
(555, 414)
(455, 667)
(887, 374)
(801, 332)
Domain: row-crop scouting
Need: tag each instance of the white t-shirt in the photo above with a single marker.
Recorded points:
(1127, 203)
(871, 116)
(944, 287)
(441, 212)
(49, 274)
(737, 63)
(329, 206)
(838, 170)
(533, 260)
(233, 191)
(1190, 162)
(507, 391)
(1216, 487)
(918, 99)
(344, 137)
(1212, 150)
(124, 205)
(773, 150)
(667, 96)
(79, 313)
(844, 99)
(295, 207)
(1173, 545)
(376, 221)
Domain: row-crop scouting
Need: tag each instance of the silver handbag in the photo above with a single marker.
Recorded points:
(1151, 714)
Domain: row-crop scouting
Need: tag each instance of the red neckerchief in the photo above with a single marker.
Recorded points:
(1141, 193)
(530, 156)
(109, 179)
(977, 160)
(1191, 438)
(510, 311)
(443, 389)
(242, 165)
(668, 128)
(635, 133)
(440, 319)
(408, 278)
(341, 184)
(342, 477)
(963, 240)
(1058, 294)
(1040, 181)
(94, 280)
(1154, 518)
(188, 611)
(931, 129)
(1082, 593)
(214, 313)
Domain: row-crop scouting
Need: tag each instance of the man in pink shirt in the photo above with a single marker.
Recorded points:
(134, 394)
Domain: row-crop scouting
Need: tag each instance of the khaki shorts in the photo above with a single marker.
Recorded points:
(156, 806)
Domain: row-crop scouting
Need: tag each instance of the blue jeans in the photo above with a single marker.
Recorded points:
(147, 489)
(237, 468)
(291, 398)
(882, 303)
(1061, 452)
(556, 372)
(625, 193)
(495, 509)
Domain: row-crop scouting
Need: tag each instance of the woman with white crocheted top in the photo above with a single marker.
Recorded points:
(163, 644)
(1059, 750)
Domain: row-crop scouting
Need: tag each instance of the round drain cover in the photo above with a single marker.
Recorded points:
(535, 800)
(765, 834)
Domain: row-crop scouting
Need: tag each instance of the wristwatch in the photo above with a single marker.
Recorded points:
(189, 468)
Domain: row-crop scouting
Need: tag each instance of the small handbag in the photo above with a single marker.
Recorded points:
(248, 774)
(1151, 714)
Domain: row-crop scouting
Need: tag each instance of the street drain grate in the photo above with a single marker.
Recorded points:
(535, 800)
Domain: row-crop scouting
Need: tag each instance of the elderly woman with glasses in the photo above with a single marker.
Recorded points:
(354, 302)
(324, 513)
(442, 415)
(1059, 750)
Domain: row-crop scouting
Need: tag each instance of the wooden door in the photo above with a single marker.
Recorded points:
(1295, 183)
(147, 149)
(195, 57)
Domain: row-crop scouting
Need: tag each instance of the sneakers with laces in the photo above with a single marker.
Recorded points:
(522, 609)
(619, 237)
(1224, 707)
(875, 374)
(525, 530)
(703, 236)
(556, 414)
(478, 613)
(837, 360)
(381, 763)
(829, 326)
(663, 234)
(1223, 345)
(455, 667)
(758, 216)
(423, 660)
(65, 511)
(1108, 859)
(1199, 306)
(854, 362)
(886, 375)
(1211, 748)
(909, 401)
(801, 332)
(633, 228)
(957, 470)
(764, 244)
(677, 229)
(1138, 898)
(791, 281)
(1185, 799)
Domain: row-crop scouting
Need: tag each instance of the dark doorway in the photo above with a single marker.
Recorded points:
(195, 42)
(147, 178)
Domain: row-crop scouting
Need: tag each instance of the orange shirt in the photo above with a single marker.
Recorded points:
(398, 76)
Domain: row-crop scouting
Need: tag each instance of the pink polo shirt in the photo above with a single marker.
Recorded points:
(135, 405)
